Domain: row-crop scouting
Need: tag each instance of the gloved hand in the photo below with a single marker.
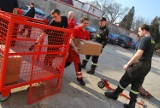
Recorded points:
(32, 46)
(76, 50)
(93, 37)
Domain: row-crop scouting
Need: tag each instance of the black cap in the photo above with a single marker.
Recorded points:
(103, 19)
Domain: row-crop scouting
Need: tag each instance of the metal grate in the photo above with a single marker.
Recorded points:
(43, 65)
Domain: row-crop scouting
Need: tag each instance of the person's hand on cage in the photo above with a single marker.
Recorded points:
(32, 46)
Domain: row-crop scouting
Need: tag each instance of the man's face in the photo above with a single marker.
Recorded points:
(30, 5)
(55, 17)
(141, 32)
(70, 15)
(102, 23)
(85, 23)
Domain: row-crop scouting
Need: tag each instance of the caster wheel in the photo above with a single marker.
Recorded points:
(2, 98)
(101, 84)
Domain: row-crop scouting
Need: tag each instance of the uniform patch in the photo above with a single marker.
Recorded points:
(152, 41)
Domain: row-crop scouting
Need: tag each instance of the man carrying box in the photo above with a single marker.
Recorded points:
(80, 32)
(102, 38)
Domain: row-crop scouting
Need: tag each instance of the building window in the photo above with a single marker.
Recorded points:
(93, 10)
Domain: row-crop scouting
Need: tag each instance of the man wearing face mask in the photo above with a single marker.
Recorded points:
(102, 38)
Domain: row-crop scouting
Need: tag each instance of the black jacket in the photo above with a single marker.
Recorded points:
(102, 35)
(31, 13)
(62, 24)
(8, 5)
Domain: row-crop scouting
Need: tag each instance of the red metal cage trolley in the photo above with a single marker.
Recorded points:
(42, 68)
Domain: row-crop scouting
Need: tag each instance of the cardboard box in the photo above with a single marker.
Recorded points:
(13, 68)
(76, 42)
(88, 47)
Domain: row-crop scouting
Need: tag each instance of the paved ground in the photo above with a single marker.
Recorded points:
(74, 96)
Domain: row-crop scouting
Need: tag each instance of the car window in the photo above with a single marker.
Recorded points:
(121, 37)
(116, 35)
(40, 14)
(91, 29)
(39, 10)
(49, 17)
(24, 7)
(128, 39)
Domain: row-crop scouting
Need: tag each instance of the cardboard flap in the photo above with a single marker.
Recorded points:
(2, 47)
(76, 42)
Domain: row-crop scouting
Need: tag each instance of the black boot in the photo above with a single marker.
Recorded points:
(84, 63)
(92, 69)
(111, 95)
(81, 82)
(130, 105)
(132, 102)
(114, 95)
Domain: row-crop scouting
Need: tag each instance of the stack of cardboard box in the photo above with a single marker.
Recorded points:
(13, 67)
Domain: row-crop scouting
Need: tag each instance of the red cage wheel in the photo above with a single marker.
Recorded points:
(4, 98)
(101, 84)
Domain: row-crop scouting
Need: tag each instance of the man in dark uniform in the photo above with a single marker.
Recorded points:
(31, 11)
(31, 14)
(102, 38)
(58, 21)
(8, 5)
(137, 67)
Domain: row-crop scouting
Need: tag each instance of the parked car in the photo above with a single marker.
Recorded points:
(124, 41)
(39, 14)
(91, 31)
(112, 38)
(134, 44)
(49, 18)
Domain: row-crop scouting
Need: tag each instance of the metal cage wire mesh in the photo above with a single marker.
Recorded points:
(40, 68)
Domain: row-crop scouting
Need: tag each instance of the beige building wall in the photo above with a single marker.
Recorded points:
(48, 5)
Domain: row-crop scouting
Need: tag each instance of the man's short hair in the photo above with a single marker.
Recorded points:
(56, 11)
(84, 19)
(103, 19)
(145, 27)
(32, 3)
(71, 12)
